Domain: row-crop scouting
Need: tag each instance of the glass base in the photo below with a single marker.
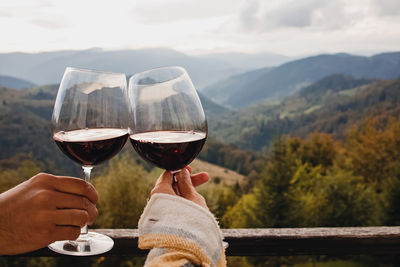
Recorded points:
(93, 244)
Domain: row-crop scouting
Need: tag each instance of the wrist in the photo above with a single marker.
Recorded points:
(5, 235)
(174, 222)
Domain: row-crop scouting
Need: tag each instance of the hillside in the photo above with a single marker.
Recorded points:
(211, 109)
(256, 86)
(319, 107)
(217, 173)
(12, 82)
(25, 128)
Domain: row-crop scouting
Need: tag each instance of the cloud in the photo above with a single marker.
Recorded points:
(256, 15)
(248, 16)
(5, 13)
(386, 7)
(52, 23)
(39, 13)
(159, 12)
(294, 14)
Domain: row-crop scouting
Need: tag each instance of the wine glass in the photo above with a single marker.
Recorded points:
(168, 127)
(90, 125)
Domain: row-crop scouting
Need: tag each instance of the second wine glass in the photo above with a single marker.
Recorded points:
(168, 126)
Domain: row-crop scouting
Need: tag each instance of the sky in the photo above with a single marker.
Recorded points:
(286, 27)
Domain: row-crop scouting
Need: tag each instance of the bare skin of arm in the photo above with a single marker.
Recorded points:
(44, 209)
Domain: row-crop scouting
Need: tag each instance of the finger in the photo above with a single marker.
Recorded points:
(200, 178)
(189, 168)
(74, 186)
(164, 184)
(165, 178)
(70, 217)
(65, 233)
(185, 185)
(71, 201)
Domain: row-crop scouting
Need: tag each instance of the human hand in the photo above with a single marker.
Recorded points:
(185, 185)
(44, 209)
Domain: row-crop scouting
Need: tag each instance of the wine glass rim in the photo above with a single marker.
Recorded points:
(160, 68)
(93, 71)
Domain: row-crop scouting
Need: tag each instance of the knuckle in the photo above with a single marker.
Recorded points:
(85, 188)
(42, 178)
(86, 203)
(42, 197)
(95, 194)
(92, 215)
(96, 212)
(89, 190)
(37, 178)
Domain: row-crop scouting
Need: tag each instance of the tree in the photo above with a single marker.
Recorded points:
(16, 170)
(123, 192)
(305, 185)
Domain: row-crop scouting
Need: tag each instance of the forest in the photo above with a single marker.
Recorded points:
(327, 156)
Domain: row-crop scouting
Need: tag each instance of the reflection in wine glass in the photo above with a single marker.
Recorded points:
(168, 126)
(90, 125)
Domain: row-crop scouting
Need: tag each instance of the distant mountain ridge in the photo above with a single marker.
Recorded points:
(256, 86)
(48, 67)
(12, 82)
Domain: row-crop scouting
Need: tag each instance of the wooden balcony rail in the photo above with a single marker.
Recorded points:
(276, 241)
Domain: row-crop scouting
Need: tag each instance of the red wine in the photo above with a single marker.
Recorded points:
(90, 147)
(168, 150)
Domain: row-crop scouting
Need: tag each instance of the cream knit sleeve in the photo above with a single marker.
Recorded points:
(180, 233)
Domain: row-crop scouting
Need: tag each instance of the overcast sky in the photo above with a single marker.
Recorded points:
(288, 27)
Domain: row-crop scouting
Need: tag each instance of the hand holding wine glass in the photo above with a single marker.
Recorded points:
(56, 206)
(90, 125)
(168, 126)
(186, 183)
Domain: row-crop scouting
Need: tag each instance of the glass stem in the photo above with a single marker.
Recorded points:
(86, 176)
(175, 182)
(174, 175)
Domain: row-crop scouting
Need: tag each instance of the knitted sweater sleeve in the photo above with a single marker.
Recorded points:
(180, 233)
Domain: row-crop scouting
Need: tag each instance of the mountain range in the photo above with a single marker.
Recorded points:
(12, 82)
(233, 80)
(331, 105)
(48, 67)
(263, 84)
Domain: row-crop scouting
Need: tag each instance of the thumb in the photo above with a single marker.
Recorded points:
(164, 184)
(165, 178)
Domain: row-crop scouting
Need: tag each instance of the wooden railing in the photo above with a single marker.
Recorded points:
(277, 241)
